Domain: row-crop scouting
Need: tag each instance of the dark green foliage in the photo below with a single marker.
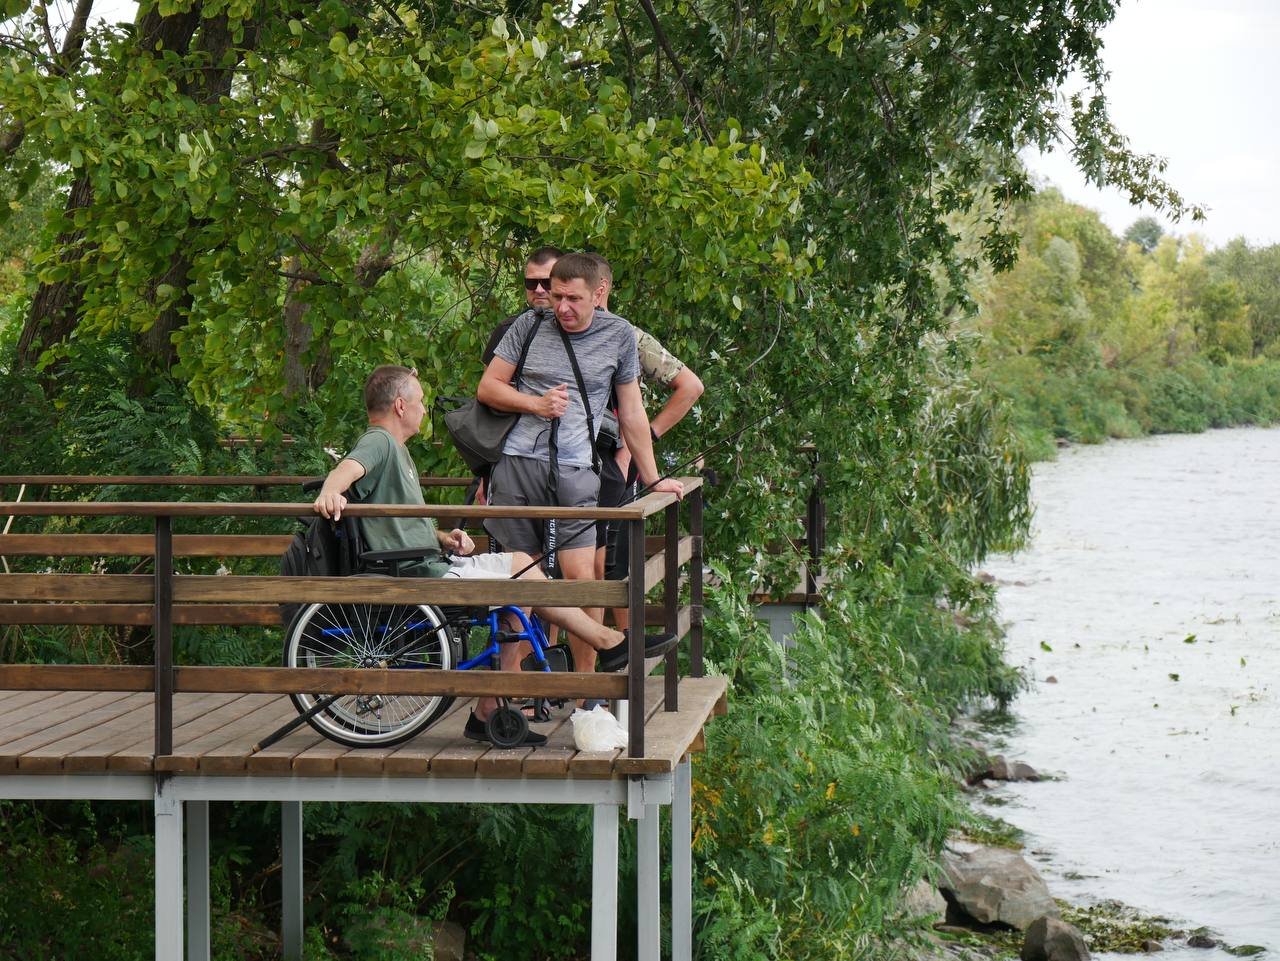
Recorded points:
(76, 884)
(827, 789)
(1092, 406)
(1145, 232)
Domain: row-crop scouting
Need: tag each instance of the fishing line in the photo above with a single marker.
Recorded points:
(672, 472)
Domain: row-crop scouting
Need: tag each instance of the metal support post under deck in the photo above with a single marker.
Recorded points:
(682, 864)
(635, 618)
(291, 879)
(168, 817)
(815, 534)
(648, 886)
(197, 871)
(604, 883)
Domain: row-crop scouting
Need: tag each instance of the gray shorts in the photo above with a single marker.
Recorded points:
(522, 482)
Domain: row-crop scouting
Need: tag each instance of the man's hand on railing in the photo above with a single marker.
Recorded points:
(330, 505)
(668, 485)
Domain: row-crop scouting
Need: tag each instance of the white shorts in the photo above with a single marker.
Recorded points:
(481, 566)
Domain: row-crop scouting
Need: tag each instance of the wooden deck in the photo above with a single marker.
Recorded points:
(65, 732)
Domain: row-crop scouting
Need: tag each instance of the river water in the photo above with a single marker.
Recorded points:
(1146, 613)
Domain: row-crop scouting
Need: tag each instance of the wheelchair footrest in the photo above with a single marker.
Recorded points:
(559, 659)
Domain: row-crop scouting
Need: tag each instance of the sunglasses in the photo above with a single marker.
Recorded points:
(533, 283)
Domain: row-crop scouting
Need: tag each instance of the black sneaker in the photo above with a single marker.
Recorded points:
(655, 645)
(478, 730)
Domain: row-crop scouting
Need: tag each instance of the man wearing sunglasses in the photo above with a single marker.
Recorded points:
(537, 293)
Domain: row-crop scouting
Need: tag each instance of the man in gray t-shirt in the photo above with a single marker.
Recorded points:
(548, 394)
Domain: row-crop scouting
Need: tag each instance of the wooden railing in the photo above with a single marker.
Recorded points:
(164, 598)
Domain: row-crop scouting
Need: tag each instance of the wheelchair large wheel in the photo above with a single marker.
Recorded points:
(377, 636)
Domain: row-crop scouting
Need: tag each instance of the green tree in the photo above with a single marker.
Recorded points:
(1145, 232)
(1256, 270)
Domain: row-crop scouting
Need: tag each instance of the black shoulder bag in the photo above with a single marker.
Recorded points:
(477, 430)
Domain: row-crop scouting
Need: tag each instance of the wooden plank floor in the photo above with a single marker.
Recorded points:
(68, 731)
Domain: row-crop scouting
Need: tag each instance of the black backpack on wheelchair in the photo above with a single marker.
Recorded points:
(406, 636)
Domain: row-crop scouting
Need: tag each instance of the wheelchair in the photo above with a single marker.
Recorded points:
(408, 637)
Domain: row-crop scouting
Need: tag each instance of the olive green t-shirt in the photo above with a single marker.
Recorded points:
(390, 477)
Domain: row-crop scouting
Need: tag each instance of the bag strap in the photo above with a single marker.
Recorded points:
(582, 394)
(528, 342)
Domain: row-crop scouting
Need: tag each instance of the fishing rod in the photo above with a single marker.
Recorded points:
(327, 701)
(674, 471)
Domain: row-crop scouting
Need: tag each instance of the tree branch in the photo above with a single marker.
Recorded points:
(309, 276)
(48, 32)
(73, 42)
(11, 139)
(663, 42)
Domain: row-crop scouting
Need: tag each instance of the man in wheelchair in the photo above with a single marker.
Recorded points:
(379, 470)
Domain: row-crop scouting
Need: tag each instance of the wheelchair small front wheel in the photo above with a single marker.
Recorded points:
(507, 727)
(378, 637)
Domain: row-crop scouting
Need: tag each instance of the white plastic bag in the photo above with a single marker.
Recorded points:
(597, 730)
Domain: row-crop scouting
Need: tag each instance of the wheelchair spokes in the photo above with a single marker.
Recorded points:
(402, 637)
(371, 636)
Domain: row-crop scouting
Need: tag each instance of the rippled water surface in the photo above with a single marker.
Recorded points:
(1151, 593)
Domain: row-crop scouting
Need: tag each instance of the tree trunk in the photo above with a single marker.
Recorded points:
(53, 312)
(11, 140)
(211, 84)
(298, 335)
(302, 375)
(55, 307)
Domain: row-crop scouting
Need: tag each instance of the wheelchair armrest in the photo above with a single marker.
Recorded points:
(401, 554)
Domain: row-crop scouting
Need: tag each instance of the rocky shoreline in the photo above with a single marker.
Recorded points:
(989, 901)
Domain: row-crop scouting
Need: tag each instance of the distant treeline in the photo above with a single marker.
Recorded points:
(1093, 336)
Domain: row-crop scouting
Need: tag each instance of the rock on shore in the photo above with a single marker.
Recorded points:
(995, 886)
(1049, 939)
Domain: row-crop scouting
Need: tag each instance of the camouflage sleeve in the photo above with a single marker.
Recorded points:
(657, 364)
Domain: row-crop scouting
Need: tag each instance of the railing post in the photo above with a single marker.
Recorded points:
(815, 534)
(164, 637)
(635, 617)
(671, 601)
(695, 585)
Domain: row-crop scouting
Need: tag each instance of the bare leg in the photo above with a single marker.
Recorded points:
(594, 636)
(591, 635)
(597, 613)
(578, 564)
(508, 660)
